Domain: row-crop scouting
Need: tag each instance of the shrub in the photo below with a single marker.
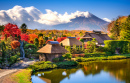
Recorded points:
(81, 59)
(55, 60)
(35, 56)
(66, 64)
(91, 46)
(68, 56)
(13, 59)
(100, 49)
(61, 58)
(95, 54)
(30, 49)
(42, 65)
(30, 46)
(81, 40)
(112, 45)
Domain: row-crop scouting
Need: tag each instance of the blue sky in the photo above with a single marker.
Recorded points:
(102, 8)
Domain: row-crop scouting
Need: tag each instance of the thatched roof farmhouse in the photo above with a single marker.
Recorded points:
(100, 37)
(51, 50)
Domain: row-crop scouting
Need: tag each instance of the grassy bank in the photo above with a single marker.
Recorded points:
(42, 65)
(114, 57)
(22, 76)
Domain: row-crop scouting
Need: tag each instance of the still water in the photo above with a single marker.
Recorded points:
(114, 71)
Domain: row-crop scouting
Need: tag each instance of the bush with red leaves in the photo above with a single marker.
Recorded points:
(15, 44)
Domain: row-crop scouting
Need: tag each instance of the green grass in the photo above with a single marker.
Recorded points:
(114, 57)
(22, 76)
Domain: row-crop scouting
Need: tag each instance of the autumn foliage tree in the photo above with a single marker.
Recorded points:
(32, 37)
(41, 41)
(11, 30)
(15, 44)
(24, 37)
(59, 39)
(119, 28)
(125, 32)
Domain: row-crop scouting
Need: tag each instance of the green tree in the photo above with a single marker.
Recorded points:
(1, 28)
(36, 42)
(46, 38)
(116, 30)
(81, 34)
(81, 40)
(125, 31)
(3, 48)
(91, 46)
(40, 34)
(24, 28)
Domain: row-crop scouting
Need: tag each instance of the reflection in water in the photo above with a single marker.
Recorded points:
(116, 71)
(64, 73)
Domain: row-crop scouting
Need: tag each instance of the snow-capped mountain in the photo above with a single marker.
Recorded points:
(35, 19)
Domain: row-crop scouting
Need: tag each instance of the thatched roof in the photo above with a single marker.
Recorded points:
(52, 47)
(98, 35)
(70, 41)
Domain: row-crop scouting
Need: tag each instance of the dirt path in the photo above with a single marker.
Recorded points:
(15, 68)
(6, 72)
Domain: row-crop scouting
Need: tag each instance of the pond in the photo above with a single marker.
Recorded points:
(113, 71)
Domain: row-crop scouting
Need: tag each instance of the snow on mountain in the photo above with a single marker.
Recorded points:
(35, 19)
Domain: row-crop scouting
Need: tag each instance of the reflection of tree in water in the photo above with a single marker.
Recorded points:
(120, 69)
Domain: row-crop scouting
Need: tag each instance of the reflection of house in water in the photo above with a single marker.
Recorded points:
(50, 51)
(56, 75)
(100, 37)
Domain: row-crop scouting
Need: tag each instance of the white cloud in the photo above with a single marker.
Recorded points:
(34, 18)
(106, 19)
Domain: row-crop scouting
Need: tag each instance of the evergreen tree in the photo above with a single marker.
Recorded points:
(24, 28)
(36, 42)
(1, 28)
(40, 34)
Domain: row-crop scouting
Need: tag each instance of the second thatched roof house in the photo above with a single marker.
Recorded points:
(50, 51)
(100, 37)
(70, 41)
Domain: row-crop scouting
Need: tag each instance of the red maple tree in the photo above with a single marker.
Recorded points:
(59, 39)
(24, 37)
(11, 30)
(78, 38)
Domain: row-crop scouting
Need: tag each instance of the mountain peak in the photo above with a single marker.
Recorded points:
(82, 14)
(34, 18)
